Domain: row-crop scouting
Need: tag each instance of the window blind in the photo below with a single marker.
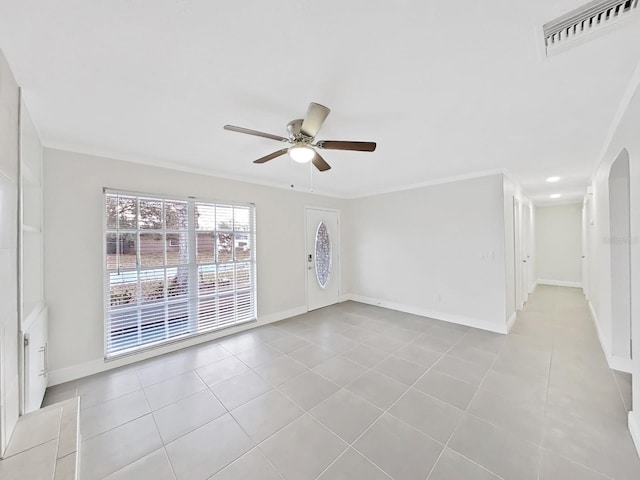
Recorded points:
(175, 268)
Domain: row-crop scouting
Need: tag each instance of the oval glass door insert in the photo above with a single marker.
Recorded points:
(323, 255)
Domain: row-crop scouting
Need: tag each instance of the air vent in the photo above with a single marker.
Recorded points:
(585, 22)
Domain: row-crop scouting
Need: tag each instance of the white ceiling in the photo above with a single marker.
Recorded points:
(446, 88)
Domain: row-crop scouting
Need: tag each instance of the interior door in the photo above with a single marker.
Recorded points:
(585, 247)
(322, 259)
(517, 253)
(526, 250)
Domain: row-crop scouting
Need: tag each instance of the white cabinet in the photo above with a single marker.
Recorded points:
(35, 360)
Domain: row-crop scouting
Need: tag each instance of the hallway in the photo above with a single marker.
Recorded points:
(585, 418)
(375, 394)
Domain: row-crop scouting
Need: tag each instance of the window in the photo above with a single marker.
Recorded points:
(323, 255)
(175, 268)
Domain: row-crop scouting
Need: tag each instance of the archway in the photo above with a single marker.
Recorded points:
(620, 246)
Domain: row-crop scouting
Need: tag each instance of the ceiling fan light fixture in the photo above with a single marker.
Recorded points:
(301, 153)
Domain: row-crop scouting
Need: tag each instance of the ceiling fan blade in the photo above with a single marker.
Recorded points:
(248, 131)
(341, 145)
(319, 163)
(316, 115)
(271, 156)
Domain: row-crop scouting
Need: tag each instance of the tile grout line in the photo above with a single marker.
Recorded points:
(150, 412)
(164, 447)
(546, 404)
(370, 369)
(350, 446)
(307, 412)
(274, 387)
(542, 446)
(144, 414)
(228, 412)
(252, 449)
(33, 447)
(386, 411)
(86, 439)
(304, 411)
(446, 445)
(207, 387)
(545, 449)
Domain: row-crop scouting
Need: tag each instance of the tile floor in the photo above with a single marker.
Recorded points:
(44, 444)
(359, 392)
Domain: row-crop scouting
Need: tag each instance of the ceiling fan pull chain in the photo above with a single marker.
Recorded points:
(291, 168)
(310, 177)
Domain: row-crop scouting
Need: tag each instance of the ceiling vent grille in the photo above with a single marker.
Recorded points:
(585, 22)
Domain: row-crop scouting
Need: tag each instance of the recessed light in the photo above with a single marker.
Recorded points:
(553, 179)
(555, 195)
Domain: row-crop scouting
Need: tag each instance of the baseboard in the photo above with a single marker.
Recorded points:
(558, 283)
(423, 312)
(621, 364)
(276, 317)
(533, 286)
(634, 428)
(615, 363)
(92, 367)
(511, 321)
(603, 344)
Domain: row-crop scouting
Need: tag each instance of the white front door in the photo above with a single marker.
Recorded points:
(322, 259)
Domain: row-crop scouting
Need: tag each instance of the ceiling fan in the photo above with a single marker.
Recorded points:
(302, 133)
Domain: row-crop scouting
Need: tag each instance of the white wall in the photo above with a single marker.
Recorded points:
(626, 136)
(437, 251)
(9, 383)
(73, 226)
(559, 245)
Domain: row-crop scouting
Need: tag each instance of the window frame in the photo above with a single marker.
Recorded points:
(192, 266)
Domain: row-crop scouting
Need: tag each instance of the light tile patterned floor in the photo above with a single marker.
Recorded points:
(359, 392)
(44, 444)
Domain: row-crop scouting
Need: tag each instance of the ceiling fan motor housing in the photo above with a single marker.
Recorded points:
(295, 135)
